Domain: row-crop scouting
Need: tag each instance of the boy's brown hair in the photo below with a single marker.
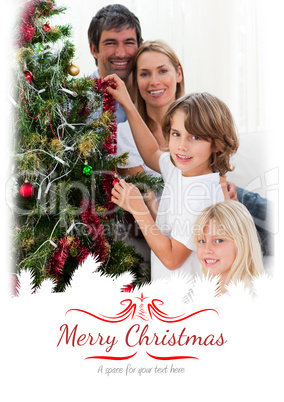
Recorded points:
(210, 119)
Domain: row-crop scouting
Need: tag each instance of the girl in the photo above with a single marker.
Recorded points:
(227, 243)
(200, 133)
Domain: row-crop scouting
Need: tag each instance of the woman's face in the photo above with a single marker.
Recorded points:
(157, 78)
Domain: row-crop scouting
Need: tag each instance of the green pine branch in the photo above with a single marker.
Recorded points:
(60, 127)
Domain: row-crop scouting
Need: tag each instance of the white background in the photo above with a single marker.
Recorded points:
(32, 369)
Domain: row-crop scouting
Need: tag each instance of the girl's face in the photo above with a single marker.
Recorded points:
(157, 78)
(216, 252)
(189, 153)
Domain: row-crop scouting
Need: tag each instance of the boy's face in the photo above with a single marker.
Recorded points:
(190, 153)
(117, 49)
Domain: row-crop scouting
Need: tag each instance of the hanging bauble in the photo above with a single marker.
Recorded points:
(27, 190)
(115, 180)
(128, 289)
(46, 27)
(73, 69)
(39, 48)
(28, 76)
(87, 170)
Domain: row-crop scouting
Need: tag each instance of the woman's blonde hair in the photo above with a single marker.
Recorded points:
(160, 47)
(234, 221)
(209, 118)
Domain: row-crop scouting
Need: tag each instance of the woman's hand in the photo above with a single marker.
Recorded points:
(128, 197)
(144, 140)
(120, 92)
(232, 190)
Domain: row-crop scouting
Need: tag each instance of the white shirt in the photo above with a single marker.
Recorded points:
(182, 201)
(126, 143)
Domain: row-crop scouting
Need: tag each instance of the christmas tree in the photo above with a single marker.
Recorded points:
(65, 159)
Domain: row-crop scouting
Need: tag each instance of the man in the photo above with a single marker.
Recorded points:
(114, 37)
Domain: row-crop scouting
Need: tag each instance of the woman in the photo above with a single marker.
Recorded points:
(157, 80)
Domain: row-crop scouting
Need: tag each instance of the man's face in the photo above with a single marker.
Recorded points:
(116, 52)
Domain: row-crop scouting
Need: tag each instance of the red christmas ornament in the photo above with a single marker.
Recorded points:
(28, 76)
(46, 27)
(27, 190)
(128, 288)
(115, 180)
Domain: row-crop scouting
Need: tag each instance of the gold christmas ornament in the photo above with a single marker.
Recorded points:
(73, 69)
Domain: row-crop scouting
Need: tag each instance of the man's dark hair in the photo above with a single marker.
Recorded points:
(114, 16)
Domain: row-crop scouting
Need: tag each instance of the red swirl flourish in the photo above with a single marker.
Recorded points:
(172, 357)
(123, 315)
(111, 357)
(153, 310)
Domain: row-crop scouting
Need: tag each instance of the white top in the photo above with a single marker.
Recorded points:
(126, 143)
(182, 201)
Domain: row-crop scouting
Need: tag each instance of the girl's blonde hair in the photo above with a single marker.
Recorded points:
(160, 47)
(234, 222)
(210, 119)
